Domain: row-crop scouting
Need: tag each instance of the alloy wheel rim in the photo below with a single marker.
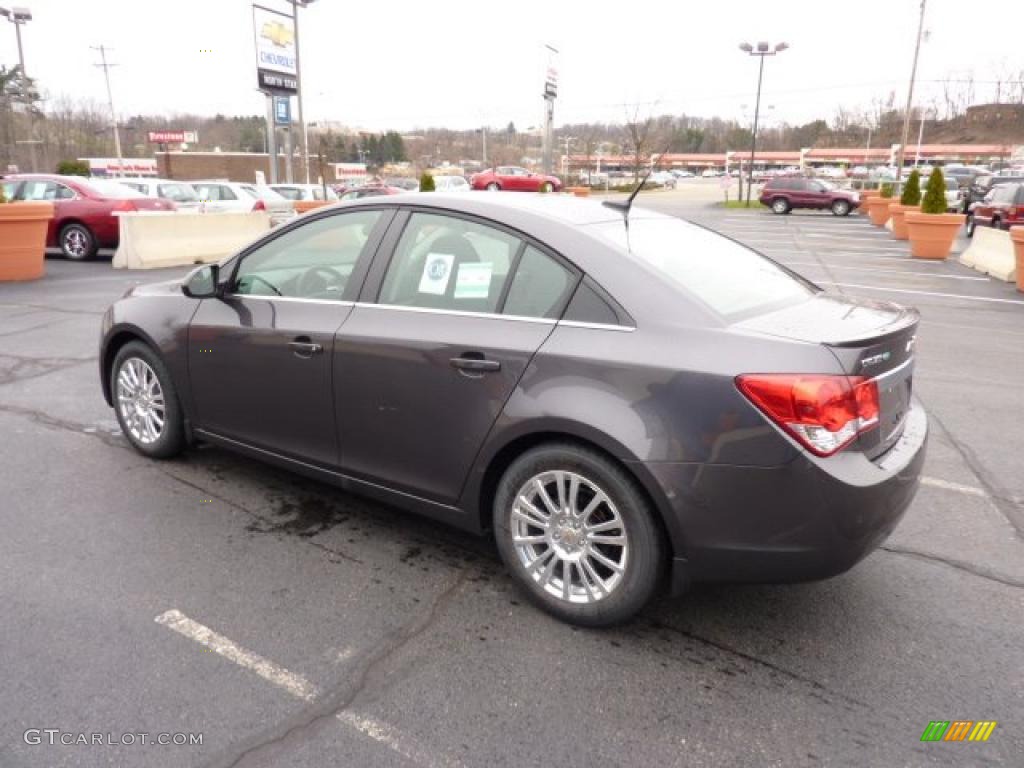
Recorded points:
(74, 242)
(140, 400)
(569, 537)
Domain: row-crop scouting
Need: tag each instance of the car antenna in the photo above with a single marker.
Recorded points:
(624, 205)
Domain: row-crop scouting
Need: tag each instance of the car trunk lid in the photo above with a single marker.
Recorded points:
(873, 339)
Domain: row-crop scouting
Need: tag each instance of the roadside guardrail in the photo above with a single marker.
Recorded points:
(150, 240)
(991, 252)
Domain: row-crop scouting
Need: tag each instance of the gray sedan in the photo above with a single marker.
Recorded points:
(626, 401)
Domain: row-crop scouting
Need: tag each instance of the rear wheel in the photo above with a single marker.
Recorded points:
(77, 242)
(780, 205)
(146, 402)
(493, 187)
(840, 208)
(578, 535)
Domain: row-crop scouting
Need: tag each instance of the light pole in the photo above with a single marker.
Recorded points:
(910, 99)
(296, 4)
(110, 98)
(18, 17)
(762, 50)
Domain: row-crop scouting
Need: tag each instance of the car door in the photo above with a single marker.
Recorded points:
(260, 357)
(217, 197)
(435, 347)
(66, 203)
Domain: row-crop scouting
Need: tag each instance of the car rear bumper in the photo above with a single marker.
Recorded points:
(809, 519)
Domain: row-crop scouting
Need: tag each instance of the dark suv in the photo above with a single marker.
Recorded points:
(1002, 208)
(785, 193)
(982, 185)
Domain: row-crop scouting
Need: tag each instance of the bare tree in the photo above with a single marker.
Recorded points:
(638, 132)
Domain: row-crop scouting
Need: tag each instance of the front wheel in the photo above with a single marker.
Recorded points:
(493, 187)
(146, 402)
(578, 535)
(780, 206)
(840, 208)
(77, 242)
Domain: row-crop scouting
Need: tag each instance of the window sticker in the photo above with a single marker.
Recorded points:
(437, 270)
(473, 280)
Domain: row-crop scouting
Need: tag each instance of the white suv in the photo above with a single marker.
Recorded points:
(179, 192)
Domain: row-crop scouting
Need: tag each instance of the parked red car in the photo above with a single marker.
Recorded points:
(83, 209)
(514, 179)
(784, 193)
(1002, 208)
(370, 190)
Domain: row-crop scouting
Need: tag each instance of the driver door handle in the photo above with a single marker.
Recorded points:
(302, 346)
(475, 362)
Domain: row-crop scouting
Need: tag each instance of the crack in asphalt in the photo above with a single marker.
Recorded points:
(47, 365)
(33, 327)
(47, 308)
(255, 515)
(1001, 499)
(655, 624)
(45, 419)
(333, 704)
(960, 565)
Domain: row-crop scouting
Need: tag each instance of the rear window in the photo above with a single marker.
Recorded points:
(111, 189)
(731, 279)
(179, 193)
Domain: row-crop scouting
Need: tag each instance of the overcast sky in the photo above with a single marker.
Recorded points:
(399, 64)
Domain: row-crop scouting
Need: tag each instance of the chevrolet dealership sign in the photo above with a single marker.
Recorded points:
(275, 41)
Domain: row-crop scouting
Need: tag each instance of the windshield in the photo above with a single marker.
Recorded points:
(179, 193)
(731, 279)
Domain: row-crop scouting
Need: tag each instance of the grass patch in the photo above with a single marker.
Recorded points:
(754, 205)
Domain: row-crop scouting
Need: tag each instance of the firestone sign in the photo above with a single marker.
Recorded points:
(172, 137)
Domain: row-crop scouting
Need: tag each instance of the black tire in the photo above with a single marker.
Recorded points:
(171, 440)
(643, 560)
(840, 207)
(493, 187)
(996, 224)
(780, 206)
(77, 242)
(970, 225)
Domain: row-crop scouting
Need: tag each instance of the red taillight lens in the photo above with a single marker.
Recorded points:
(259, 206)
(124, 205)
(824, 413)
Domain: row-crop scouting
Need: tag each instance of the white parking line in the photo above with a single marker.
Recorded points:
(922, 293)
(970, 490)
(876, 269)
(268, 670)
(299, 687)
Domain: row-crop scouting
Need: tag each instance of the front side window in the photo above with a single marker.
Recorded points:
(732, 280)
(443, 262)
(313, 261)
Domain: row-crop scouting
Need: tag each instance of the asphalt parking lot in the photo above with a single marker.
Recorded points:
(291, 624)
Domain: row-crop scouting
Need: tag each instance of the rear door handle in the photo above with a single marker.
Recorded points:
(303, 347)
(475, 364)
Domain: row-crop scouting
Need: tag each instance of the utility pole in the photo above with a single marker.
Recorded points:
(568, 164)
(920, 138)
(550, 92)
(910, 99)
(298, 76)
(271, 139)
(110, 98)
(18, 17)
(762, 50)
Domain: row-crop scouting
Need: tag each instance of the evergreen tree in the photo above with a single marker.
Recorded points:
(912, 190)
(935, 194)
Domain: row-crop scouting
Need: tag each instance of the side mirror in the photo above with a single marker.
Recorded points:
(202, 283)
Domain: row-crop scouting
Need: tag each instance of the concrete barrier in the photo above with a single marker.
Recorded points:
(157, 239)
(991, 252)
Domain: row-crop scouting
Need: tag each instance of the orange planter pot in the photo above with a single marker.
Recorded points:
(23, 240)
(1017, 236)
(932, 234)
(303, 206)
(878, 210)
(899, 225)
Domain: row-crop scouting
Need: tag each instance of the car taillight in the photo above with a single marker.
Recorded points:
(824, 413)
(1015, 211)
(124, 205)
(259, 206)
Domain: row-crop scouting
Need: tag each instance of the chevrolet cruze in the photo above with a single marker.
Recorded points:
(626, 401)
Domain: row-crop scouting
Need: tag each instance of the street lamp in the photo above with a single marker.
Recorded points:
(18, 16)
(296, 4)
(761, 50)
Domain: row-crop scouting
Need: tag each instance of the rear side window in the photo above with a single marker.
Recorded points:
(732, 280)
(539, 287)
(444, 262)
(589, 306)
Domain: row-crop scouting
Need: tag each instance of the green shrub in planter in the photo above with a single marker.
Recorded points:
(912, 190)
(886, 190)
(935, 194)
(73, 168)
(427, 183)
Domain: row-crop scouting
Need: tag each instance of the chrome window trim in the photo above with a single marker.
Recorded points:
(597, 326)
(293, 299)
(459, 313)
